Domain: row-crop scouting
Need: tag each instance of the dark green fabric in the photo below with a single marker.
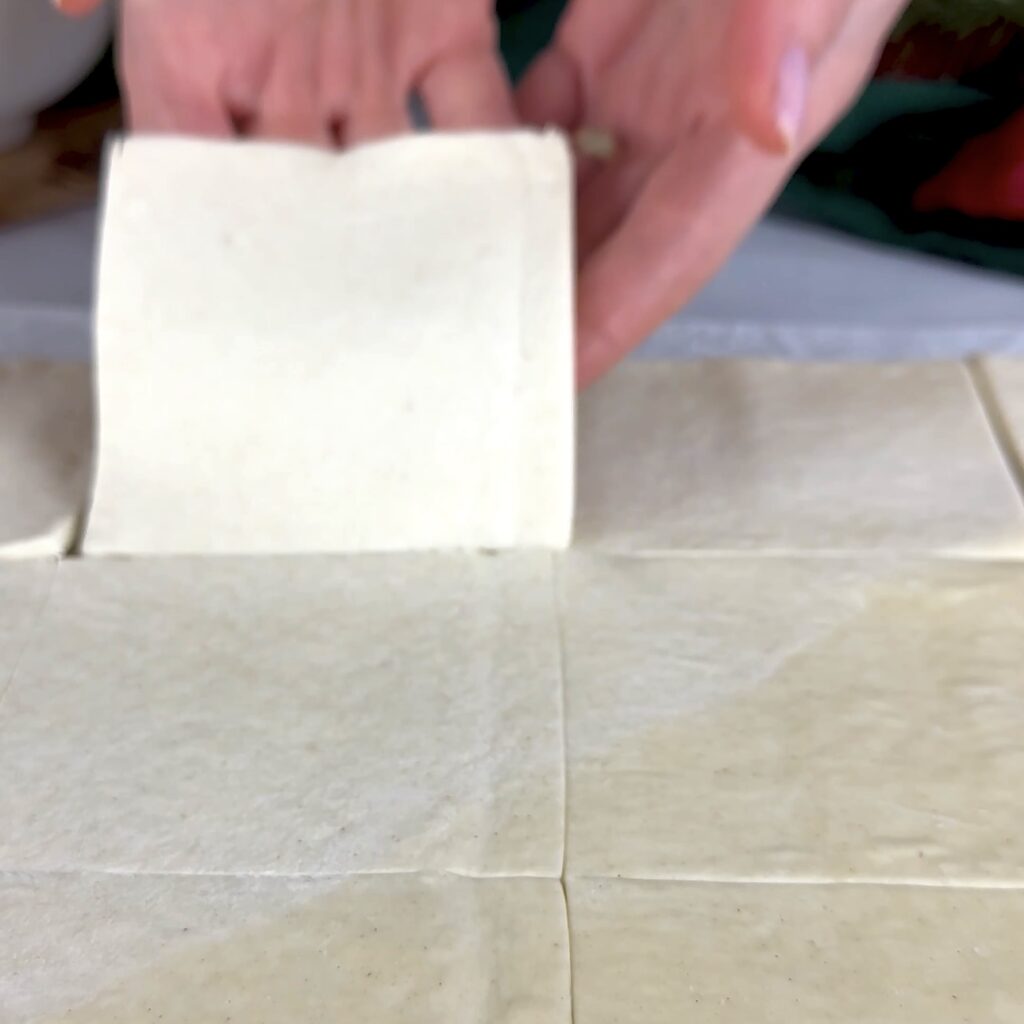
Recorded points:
(526, 32)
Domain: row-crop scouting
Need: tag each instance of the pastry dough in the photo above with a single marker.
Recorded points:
(382, 949)
(45, 435)
(774, 456)
(373, 713)
(662, 953)
(795, 719)
(23, 590)
(301, 351)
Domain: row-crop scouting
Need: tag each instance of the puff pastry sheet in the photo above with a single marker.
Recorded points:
(795, 719)
(189, 950)
(303, 351)
(664, 952)
(775, 457)
(309, 716)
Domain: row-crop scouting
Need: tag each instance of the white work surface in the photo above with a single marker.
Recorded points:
(791, 291)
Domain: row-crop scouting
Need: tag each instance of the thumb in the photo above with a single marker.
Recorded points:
(774, 48)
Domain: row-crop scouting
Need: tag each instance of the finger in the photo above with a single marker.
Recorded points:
(380, 102)
(551, 93)
(846, 65)
(689, 216)
(191, 114)
(555, 88)
(289, 105)
(377, 117)
(595, 31)
(161, 98)
(468, 90)
(336, 68)
(774, 48)
(245, 78)
(605, 198)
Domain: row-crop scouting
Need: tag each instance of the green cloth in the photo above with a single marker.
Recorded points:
(525, 33)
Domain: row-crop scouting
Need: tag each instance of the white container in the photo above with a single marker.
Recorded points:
(43, 56)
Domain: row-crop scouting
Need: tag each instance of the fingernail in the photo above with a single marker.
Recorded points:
(791, 102)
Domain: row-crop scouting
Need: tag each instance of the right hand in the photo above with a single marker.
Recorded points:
(711, 103)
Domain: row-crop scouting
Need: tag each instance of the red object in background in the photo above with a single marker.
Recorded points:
(985, 179)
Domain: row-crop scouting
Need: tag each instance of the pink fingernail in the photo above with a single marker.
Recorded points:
(791, 102)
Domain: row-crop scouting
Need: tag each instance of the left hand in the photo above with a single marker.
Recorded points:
(711, 103)
(324, 71)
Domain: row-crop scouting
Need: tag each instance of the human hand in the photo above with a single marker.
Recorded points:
(710, 103)
(329, 71)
